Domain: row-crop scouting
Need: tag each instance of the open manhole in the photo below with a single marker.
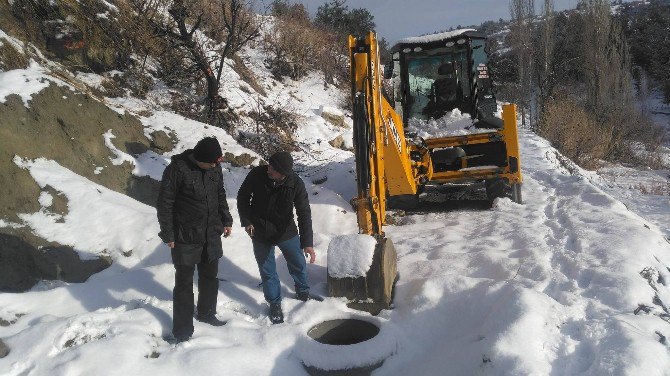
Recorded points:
(343, 338)
(343, 332)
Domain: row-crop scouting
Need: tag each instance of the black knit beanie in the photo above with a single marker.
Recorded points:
(282, 162)
(207, 150)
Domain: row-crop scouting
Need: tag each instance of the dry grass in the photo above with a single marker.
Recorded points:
(653, 188)
(11, 58)
(247, 75)
(623, 135)
(575, 132)
(297, 47)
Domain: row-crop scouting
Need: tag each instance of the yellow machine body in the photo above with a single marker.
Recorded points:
(388, 165)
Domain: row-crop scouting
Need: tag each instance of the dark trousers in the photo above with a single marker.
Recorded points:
(182, 295)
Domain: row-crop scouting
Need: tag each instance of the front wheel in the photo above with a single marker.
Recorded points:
(499, 187)
(403, 202)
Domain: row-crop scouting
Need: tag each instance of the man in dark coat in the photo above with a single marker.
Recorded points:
(265, 202)
(193, 214)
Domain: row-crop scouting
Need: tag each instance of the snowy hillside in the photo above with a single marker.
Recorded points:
(571, 282)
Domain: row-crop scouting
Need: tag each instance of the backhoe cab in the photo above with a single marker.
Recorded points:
(438, 73)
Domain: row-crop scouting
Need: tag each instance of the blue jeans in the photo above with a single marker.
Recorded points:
(295, 260)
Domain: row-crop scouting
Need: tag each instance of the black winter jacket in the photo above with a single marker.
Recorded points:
(269, 207)
(192, 210)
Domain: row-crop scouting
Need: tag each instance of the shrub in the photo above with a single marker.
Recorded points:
(575, 132)
(625, 135)
(291, 45)
(274, 126)
(296, 46)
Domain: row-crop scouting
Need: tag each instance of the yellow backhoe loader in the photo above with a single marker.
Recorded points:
(431, 75)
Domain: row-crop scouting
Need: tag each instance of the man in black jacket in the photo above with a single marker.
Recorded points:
(193, 214)
(265, 202)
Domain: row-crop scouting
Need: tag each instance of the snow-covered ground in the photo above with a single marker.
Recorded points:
(571, 282)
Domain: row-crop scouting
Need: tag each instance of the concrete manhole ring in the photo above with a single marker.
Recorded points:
(347, 344)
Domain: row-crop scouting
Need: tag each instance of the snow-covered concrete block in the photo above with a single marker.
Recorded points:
(350, 255)
(368, 286)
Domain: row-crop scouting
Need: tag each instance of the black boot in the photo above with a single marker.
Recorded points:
(302, 295)
(176, 339)
(276, 314)
(210, 319)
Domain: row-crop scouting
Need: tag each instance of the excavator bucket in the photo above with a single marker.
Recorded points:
(374, 291)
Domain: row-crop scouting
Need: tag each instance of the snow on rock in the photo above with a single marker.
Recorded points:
(23, 82)
(90, 79)
(16, 43)
(329, 110)
(190, 132)
(146, 164)
(350, 256)
(45, 199)
(121, 157)
(92, 211)
(4, 223)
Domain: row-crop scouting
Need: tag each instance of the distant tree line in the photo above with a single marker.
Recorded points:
(573, 74)
(299, 44)
(647, 30)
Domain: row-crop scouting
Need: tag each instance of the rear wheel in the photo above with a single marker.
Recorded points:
(499, 187)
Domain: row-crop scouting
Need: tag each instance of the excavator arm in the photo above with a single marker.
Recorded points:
(384, 163)
(383, 166)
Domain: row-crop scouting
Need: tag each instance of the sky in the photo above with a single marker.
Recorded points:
(398, 19)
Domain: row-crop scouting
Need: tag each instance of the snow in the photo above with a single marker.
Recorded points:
(434, 37)
(23, 82)
(574, 281)
(453, 123)
(121, 157)
(350, 256)
(45, 199)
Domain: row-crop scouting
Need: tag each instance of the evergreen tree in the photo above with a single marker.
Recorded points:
(337, 17)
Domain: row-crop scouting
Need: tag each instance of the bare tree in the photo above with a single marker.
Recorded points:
(229, 20)
(607, 72)
(544, 55)
(523, 13)
(606, 63)
(240, 27)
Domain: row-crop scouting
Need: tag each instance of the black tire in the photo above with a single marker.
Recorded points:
(499, 187)
(403, 202)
